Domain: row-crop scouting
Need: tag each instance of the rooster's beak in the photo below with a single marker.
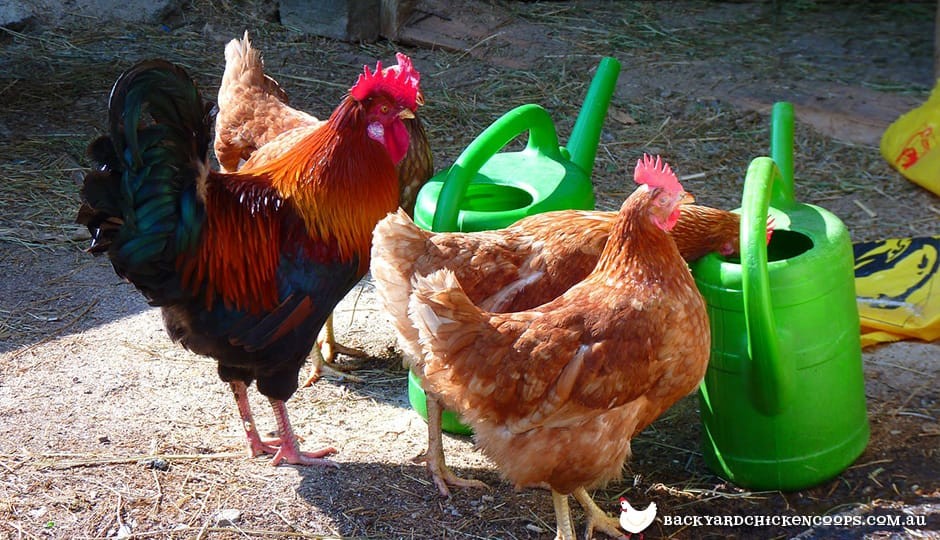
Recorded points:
(406, 114)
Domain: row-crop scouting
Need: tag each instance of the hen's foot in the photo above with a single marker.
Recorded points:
(330, 348)
(596, 518)
(434, 456)
(443, 477)
(322, 368)
(562, 517)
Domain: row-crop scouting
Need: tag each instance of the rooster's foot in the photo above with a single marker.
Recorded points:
(292, 455)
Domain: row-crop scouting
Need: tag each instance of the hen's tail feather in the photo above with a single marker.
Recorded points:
(241, 57)
(396, 245)
(141, 203)
(438, 307)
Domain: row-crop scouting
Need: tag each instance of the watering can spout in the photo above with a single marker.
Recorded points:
(586, 134)
(781, 150)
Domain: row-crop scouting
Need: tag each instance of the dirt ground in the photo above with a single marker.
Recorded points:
(108, 430)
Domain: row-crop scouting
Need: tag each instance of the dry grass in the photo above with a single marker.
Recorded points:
(54, 86)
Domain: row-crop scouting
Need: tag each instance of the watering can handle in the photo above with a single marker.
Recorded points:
(542, 138)
(771, 371)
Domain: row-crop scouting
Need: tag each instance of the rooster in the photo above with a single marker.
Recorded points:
(245, 266)
(253, 110)
(555, 393)
(514, 269)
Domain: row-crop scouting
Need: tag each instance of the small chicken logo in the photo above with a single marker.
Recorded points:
(636, 521)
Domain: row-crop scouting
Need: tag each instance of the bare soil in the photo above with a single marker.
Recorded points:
(109, 430)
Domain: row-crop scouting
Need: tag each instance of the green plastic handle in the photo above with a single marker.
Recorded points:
(772, 372)
(542, 139)
(781, 150)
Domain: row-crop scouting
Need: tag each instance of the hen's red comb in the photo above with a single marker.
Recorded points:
(400, 82)
(655, 173)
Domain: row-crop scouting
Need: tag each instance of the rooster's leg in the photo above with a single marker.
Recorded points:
(434, 457)
(256, 445)
(596, 517)
(562, 517)
(289, 449)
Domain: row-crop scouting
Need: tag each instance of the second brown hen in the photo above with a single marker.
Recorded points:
(555, 393)
(527, 264)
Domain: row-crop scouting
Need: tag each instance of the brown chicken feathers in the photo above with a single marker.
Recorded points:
(513, 269)
(555, 393)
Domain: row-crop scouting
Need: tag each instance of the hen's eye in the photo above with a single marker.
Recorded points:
(384, 109)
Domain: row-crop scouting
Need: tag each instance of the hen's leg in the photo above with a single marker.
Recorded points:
(434, 456)
(562, 517)
(289, 449)
(597, 518)
(331, 348)
(256, 445)
(324, 353)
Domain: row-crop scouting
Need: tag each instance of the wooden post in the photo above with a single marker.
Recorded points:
(936, 45)
(347, 20)
(394, 15)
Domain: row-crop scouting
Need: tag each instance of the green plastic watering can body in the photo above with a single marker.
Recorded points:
(488, 189)
(782, 402)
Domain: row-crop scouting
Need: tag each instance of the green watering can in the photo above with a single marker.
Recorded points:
(486, 189)
(783, 399)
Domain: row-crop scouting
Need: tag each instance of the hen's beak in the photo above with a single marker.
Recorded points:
(406, 114)
(687, 198)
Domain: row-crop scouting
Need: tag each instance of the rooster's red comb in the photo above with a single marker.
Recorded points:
(400, 82)
(656, 173)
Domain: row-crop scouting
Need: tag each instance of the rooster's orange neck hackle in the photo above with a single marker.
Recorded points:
(340, 180)
(340, 166)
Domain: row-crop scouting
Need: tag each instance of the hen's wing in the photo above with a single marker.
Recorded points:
(512, 269)
(587, 351)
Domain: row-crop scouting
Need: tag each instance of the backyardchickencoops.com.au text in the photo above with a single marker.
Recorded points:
(907, 520)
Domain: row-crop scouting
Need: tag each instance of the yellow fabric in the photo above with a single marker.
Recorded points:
(898, 289)
(912, 143)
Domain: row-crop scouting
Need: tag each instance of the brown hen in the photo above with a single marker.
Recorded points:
(554, 394)
(513, 269)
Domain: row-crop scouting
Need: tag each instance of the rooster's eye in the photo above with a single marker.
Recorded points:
(384, 109)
